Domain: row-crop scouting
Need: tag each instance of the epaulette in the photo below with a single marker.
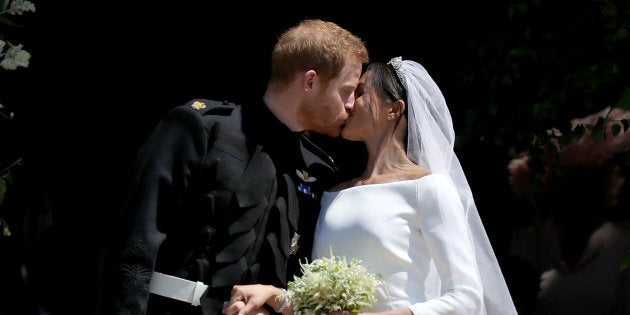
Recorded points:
(211, 107)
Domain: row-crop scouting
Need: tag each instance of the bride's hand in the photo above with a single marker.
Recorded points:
(237, 307)
(234, 308)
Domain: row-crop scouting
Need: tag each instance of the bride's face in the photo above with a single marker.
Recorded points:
(367, 116)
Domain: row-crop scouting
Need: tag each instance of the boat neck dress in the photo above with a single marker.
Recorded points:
(412, 233)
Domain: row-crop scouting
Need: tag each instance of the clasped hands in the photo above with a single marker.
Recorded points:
(251, 299)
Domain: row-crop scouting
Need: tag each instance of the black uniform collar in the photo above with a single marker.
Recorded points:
(299, 154)
(264, 126)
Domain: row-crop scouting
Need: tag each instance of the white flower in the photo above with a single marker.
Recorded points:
(332, 284)
(17, 7)
(22, 58)
(15, 57)
(8, 64)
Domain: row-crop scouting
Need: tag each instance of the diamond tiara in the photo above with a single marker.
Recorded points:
(396, 63)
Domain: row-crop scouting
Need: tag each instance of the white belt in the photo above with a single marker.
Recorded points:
(177, 288)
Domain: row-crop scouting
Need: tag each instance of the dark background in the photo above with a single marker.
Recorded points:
(102, 74)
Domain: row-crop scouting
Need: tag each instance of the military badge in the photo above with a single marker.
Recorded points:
(198, 105)
(305, 189)
(303, 175)
(294, 243)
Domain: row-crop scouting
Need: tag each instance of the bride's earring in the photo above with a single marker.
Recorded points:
(390, 116)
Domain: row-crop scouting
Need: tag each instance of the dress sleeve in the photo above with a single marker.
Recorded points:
(163, 173)
(445, 229)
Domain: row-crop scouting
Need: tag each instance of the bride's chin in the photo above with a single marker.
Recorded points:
(347, 135)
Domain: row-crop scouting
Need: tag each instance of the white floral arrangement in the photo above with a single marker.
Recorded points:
(332, 284)
(12, 55)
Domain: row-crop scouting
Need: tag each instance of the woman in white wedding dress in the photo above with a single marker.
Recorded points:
(410, 217)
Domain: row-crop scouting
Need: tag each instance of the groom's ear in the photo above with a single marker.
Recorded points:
(307, 80)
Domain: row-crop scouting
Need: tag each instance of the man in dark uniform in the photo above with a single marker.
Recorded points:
(227, 194)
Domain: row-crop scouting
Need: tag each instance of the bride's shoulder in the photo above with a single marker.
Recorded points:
(416, 172)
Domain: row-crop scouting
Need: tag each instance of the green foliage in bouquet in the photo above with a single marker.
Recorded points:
(332, 284)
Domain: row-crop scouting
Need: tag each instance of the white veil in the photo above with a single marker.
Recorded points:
(430, 144)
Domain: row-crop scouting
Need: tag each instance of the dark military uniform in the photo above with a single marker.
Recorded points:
(224, 194)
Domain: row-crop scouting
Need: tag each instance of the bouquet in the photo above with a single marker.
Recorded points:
(332, 284)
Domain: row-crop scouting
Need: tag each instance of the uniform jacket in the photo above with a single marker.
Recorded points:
(223, 194)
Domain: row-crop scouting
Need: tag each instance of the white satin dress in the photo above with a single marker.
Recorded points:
(413, 233)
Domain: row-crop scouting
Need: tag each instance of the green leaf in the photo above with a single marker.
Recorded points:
(6, 21)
